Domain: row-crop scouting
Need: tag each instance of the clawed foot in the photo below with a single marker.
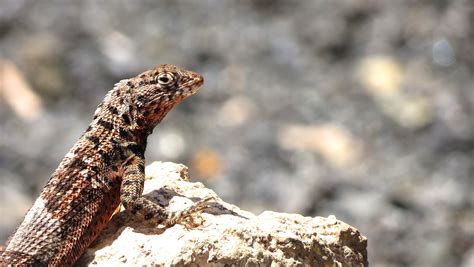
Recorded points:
(190, 217)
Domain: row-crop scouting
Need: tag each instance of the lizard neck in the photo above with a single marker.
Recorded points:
(145, 122)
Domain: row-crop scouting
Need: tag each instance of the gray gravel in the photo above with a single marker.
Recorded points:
(270, 65)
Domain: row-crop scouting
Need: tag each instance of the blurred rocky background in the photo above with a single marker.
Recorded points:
(359, 108)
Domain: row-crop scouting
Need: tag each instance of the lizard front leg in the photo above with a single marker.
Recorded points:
(133, 200)
(132, 189)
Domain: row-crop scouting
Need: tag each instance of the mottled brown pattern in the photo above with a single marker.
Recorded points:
(105, 167)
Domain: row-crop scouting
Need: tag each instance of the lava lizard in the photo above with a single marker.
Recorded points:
(103, 169)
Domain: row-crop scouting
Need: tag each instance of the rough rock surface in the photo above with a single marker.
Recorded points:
(227, 236)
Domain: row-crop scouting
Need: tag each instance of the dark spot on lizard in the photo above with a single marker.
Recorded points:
(114, 168)
(128, 182)
(93, 139)
(130, 84)
(132, 173)
(78, 163)
(137, 150)
(136, 208)
(110, 183)
(89, 195)
(124, 133)
(141, 122)
(113, 109)
(141, 168)
(125, 203)
(88, 128)
(105, 157)
(126, 119)
(75, 202)
(121, 154)
(115, 145)
(95, 169)
(107, 125)
(141, 98)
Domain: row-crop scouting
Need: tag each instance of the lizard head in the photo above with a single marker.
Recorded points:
(169, 80)
(157, 91)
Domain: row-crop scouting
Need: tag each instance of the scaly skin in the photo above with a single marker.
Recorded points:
(103, 169)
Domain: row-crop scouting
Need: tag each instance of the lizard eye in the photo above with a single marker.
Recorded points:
(165, 78)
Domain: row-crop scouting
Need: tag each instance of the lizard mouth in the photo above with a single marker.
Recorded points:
(193, 83)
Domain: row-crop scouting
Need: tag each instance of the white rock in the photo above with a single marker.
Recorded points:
(227, 236)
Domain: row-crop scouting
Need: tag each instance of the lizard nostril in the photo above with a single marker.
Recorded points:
(199, 79)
